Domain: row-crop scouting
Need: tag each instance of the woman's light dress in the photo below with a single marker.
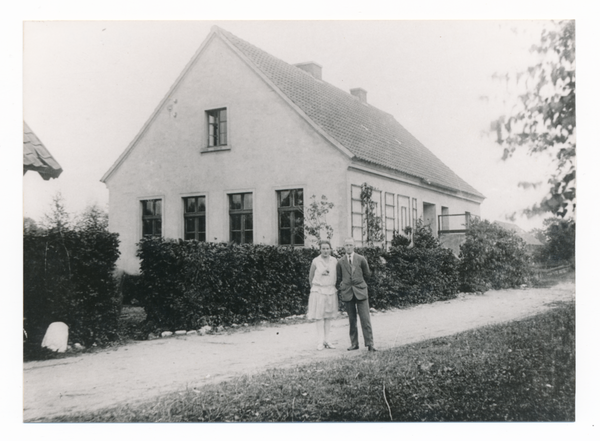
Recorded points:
(323, 299)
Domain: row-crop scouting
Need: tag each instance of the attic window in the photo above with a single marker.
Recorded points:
(217, 127)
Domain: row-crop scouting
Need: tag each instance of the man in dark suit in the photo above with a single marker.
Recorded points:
(352, 270)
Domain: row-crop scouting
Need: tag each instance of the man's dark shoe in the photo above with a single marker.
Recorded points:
(353, 348)
(372, 349)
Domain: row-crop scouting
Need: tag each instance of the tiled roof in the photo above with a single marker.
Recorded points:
(372, 135)
(529, 238)
(36, 157)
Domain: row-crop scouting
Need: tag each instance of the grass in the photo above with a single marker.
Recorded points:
(520, 371)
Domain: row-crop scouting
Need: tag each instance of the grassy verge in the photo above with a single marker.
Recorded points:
(520, 371)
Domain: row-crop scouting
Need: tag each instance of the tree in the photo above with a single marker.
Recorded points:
(58, 219)
(372, 224)
(543, 120)
(93, 218)
(315, 219)
(559, 246)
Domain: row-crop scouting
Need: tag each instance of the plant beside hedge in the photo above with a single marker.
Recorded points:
(418, 272)
(68, 277)
(493, 258)
(189, 284)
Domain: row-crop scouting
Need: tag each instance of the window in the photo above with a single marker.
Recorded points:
(152, 218)
(217, 127)
(194, 218)
(404, 210)
(357, 214)
(414, 214)
(290, 208)
(390, 219)
(240, 218)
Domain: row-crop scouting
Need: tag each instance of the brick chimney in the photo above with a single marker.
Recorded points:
(359, 93)
(312, 68)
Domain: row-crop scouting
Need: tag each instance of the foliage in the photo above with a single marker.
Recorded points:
(372, 223)
(559, 243)
(58, 219)
(68, 277)
(519, 371)
(422, 271)
(492, 258)
(544, 118)
(189, 284)
(92, 219)
(315, 219)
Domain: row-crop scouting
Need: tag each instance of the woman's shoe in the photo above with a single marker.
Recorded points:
(328, 346)
(320, 347)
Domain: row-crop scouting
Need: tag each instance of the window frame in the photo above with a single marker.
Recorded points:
(196, 215)
(151, 217)
(293, 209)
(221, 128)
(243, 212)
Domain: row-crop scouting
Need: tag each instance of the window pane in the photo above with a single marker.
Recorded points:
(147, 228)
(147, 208)
(235, 202)
(389, 198)
(202, 237)
(201, 204)
(248, 201)
(190, 225)
(285, 220)
(355, 192)
(223, 115)
(286, 237)
(248, 237)
(190, 205)
(157, 207)
(298, 220)
(248, 222)
(236, 222)
(202, 224)
(356, 207)
(236, 236)
(157, 227)
(284, 198)
(299, 197)
(299, 237)
(223, 133)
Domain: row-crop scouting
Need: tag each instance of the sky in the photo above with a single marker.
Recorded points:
(89, 86)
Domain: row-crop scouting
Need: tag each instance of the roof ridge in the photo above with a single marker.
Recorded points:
(370, 133)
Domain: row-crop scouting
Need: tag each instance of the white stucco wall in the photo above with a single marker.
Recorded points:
(272, 148)
(412, 188)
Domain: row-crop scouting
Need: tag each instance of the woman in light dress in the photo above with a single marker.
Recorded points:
(323, 299)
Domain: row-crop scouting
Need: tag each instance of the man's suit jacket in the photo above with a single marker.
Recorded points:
(351, 279)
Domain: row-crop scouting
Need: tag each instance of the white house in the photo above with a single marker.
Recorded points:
(242, 140)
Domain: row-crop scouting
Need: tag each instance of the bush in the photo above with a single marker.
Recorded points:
(492, 258)
(189, 284)
(559, 243)
(68, 277)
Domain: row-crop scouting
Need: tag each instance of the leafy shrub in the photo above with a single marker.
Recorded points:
(189, 284)
(68, 277)
(559, 242)
(492, 258)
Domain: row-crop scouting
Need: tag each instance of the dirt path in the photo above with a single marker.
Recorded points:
(146, 369)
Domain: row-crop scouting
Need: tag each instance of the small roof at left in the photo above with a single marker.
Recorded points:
(36, 156)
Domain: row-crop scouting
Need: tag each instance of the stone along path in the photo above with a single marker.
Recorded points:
(144, 370)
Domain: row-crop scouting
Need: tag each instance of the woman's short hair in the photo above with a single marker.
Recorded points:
(321, 242)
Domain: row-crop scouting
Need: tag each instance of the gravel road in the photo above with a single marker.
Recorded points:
(143, 370)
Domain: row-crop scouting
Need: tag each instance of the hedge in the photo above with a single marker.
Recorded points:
(493, 258)
(68, 277)
(190, 284)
